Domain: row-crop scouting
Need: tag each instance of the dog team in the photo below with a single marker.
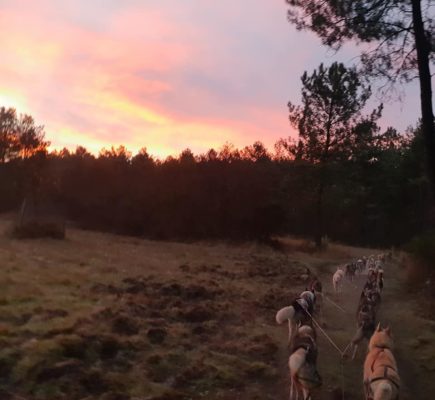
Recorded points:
(381, 378)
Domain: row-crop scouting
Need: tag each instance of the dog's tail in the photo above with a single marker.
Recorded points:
(383, 391)
(286, 313)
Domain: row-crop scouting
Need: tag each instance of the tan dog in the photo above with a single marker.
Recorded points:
(381, 378)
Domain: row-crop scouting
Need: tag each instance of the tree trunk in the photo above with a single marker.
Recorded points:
(423, 51)
(319, 230)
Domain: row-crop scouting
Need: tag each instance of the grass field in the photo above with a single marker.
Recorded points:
(98, 316)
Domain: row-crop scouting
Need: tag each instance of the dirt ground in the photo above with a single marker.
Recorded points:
(99, 316)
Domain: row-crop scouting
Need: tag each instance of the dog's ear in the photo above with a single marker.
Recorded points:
(388, 331)
(378, 328)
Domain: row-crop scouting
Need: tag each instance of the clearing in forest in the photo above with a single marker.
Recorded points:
(99, 316)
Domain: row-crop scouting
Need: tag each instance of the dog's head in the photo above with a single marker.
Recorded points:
(309, 297)
(381, 338)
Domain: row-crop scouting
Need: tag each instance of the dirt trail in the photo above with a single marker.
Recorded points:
(414, 340)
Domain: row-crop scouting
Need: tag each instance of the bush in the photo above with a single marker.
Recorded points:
(38, 229)
(423, 248)
(421, 262)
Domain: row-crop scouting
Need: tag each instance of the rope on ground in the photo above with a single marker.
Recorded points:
(335, 304)
(324, 333)
(342, 380)
(345, 349)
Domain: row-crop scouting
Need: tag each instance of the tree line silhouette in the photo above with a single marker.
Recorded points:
(343, 177)
(377, 193)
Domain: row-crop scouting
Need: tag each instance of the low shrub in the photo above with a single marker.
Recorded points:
(420, 263)
(37, 229)
(423, 248)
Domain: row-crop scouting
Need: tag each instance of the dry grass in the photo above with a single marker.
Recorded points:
(99, 315)
(331, 252)
(38, 229)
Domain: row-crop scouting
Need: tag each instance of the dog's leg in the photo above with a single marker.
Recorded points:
(355, 348)
(306, 394)
(366, 390)
(295, 388)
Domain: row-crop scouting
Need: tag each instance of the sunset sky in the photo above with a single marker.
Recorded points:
(161, 74)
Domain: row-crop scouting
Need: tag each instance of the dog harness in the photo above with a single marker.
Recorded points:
(307, 343)
(301, 307)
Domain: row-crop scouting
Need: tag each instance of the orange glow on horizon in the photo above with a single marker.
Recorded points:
(160, 140)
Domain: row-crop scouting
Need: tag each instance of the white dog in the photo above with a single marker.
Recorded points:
(294, 314)
(337, 279)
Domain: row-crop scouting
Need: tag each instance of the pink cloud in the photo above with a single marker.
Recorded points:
(162, 75)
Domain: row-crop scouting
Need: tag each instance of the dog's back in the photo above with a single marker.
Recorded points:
(309, 344)
(381, 377)
(380, 364)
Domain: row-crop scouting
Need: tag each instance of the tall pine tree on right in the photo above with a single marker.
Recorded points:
(403, 46)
